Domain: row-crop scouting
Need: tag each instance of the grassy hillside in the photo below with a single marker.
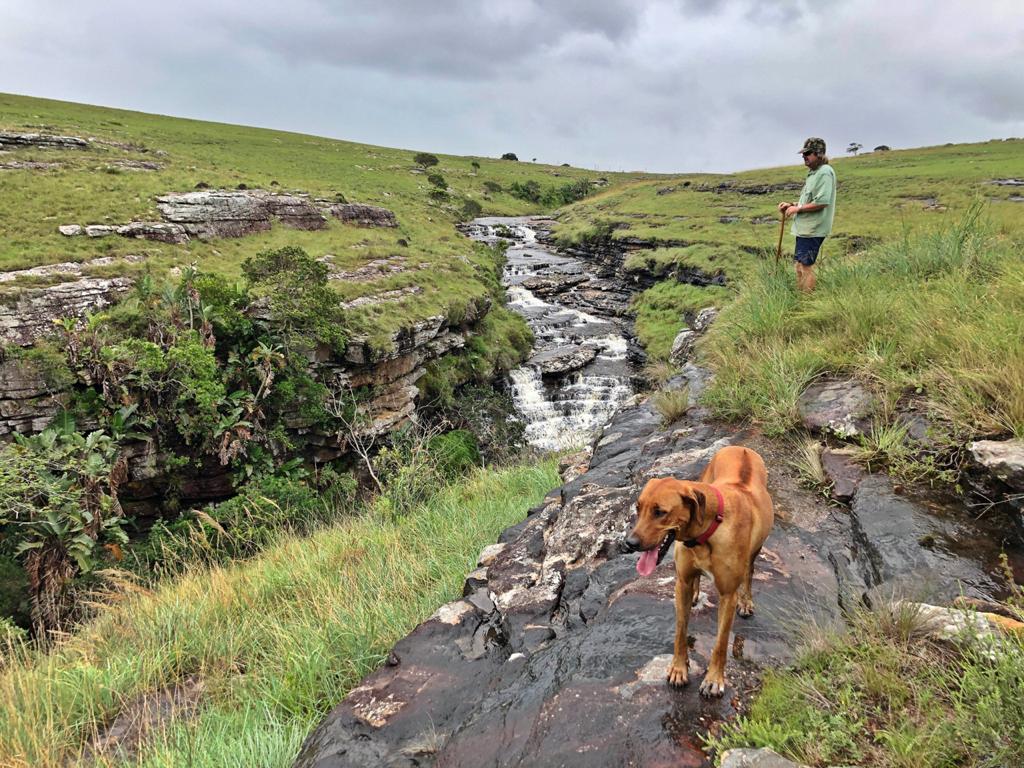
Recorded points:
(97, 186)
(707, 222)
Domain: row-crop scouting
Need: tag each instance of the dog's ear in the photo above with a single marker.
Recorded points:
(702, 502)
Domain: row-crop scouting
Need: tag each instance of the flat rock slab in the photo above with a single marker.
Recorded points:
(556, 363)
(1003, 459)
(842, 408)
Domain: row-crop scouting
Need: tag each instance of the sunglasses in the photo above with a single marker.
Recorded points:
(805, 154)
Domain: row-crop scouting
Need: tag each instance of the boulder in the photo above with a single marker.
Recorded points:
(556, 363)
(1003, 460)
(843, 472)
(841, 407)
(71, 230)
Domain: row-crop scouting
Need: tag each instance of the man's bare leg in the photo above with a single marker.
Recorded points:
(804, 277)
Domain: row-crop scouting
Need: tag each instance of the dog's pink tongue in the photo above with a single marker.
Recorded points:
(648, 562)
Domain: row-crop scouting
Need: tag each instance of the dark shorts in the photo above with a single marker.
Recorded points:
(807, 249)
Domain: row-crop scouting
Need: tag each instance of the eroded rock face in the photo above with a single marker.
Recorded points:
(682, 346)
(1003, 459)
(9, 140)
(30, 316)
(557, 654)
(231, 213)
(362, 215)
(27, 400)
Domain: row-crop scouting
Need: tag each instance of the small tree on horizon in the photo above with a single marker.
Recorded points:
(510, 156)
(854, 148)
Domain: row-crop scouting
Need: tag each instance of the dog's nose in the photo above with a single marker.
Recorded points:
(631, 543)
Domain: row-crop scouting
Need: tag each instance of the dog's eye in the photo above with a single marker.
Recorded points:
(659, 512)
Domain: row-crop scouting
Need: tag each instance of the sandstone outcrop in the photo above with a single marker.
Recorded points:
(841, 407)
(31, 314)
(362, 215)
(9, 140)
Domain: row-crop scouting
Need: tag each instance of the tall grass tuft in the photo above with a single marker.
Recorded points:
(940, 314)
(276, 640)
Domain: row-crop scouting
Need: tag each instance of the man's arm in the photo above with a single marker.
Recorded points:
(794, 209)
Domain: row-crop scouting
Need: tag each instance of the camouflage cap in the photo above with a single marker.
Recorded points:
(815, 145)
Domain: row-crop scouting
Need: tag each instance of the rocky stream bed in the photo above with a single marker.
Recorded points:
(556, 654)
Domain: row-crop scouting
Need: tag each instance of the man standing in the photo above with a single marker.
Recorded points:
(813, 214)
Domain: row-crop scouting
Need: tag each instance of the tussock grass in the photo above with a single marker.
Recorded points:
(671, 404)
(940, 315)
(276, 640)
(879, 693)
(806, 460)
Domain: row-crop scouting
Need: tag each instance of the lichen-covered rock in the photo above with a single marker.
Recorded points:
(1002, 459)
(842, 408)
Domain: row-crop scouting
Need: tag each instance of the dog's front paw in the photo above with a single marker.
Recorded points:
(712, 685)
(678, 674)
(746, 609)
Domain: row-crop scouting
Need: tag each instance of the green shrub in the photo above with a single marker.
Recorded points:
(425, 159)
(471, 209)
(437, 180)
(454, 453)
(492, 186)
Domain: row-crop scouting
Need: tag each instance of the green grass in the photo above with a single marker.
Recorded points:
(880, 693)
(882, 196)
(937, 317)
(84, 190)
(277, 640)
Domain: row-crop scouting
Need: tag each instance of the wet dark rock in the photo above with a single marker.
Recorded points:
(902, 548)
(549, 286)
(842, 408)
(843, 472)
(1008, 182)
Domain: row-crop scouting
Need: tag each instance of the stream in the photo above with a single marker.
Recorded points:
(578, 374)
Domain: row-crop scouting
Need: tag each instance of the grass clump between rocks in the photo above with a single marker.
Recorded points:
(881, 692)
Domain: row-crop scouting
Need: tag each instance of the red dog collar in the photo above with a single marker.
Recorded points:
(703, 538)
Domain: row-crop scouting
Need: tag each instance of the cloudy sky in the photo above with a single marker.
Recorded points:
(657, 85)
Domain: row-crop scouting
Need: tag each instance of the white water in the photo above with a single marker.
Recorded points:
(568, 413)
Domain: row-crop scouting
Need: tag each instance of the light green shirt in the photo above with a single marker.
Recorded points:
(820, 188)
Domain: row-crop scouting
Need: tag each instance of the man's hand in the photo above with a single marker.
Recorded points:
(793, 210)
(784, 206)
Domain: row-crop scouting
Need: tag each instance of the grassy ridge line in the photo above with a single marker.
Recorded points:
(882, 196)
(276, 641)
(92, 186)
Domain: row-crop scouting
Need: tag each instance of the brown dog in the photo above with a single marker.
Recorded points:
(721, 521)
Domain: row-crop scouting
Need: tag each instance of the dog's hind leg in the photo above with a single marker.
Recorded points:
(696, 589)
(678, 673)
(746, 594)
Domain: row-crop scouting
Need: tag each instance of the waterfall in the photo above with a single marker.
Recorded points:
(568, 411)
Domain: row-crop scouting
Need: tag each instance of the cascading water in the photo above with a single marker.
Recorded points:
(560, 411)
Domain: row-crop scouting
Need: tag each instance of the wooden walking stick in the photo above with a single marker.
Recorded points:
(782, 228)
